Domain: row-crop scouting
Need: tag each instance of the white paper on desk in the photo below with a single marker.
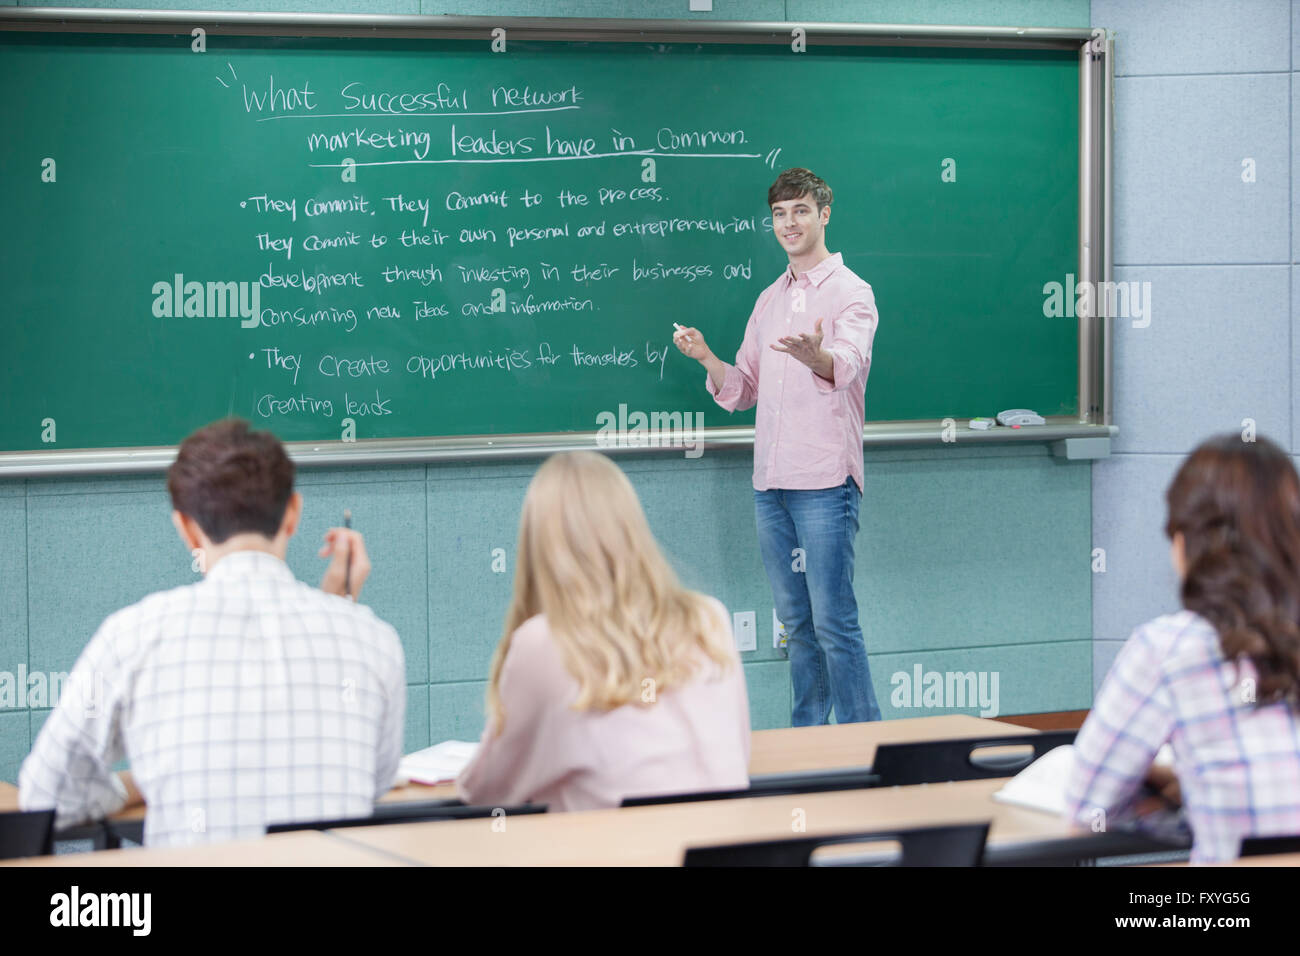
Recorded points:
(1041, 785)
(440, 763)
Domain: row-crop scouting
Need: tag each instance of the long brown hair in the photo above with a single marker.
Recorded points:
(613, 604)
(1237, 505)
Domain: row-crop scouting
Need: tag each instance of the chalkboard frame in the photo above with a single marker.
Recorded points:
(1096, 83)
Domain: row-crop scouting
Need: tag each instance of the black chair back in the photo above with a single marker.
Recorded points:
(386, 813)
(772, 785)
(922, 846)
(1268, 846)
(26, 833)
(939, 761)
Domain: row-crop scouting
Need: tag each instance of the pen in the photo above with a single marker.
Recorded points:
(347, 568)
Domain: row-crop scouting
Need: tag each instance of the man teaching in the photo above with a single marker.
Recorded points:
(804, 362)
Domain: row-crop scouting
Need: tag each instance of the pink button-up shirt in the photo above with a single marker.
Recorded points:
(808, 431)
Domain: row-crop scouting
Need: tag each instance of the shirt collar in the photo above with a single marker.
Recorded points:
(818, 273)
(250, 564)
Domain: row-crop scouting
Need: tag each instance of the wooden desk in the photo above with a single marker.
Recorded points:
(305, 848)
(786, 750)
(834, 746)
(1276, 859)
(633, 836)
(658, 835)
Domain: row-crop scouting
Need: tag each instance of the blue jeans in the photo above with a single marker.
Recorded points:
(814, 598)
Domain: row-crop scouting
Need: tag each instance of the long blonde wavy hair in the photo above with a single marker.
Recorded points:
(587, 560)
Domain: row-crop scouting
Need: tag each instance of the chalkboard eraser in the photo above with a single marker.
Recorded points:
(1014, 417)
(982, 423)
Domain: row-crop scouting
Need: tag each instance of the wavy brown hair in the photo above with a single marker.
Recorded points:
(1237, 505)
(797, 182)
(231, 480)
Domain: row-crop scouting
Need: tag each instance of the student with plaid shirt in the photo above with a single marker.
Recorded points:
(245, 699)
(1219, 680)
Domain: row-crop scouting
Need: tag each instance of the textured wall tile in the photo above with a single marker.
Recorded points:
(1197, 36)
(392, 518)
(15, 742)
(1180, 143)
(1036, 678)
(456, 711)
(1217, 344)
(1128, 493)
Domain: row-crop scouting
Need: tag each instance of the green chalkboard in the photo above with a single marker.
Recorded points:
(172, 167)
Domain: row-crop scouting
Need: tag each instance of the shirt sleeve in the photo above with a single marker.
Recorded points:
(1131, 719)
(393, 728)
(527, 757)
(70, 767)
(740, 388)
(851, 335)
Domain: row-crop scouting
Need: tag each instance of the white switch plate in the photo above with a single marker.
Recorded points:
(745, 626)
(776, 630)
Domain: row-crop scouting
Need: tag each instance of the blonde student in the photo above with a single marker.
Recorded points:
(611, 679)
(1219, 680)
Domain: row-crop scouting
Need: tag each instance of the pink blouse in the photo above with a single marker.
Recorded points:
(692, 737)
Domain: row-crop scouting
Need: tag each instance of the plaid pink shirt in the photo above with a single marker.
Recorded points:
(807, 432)
(1238, 764)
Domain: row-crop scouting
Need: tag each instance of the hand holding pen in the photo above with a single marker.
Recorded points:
(349, 564)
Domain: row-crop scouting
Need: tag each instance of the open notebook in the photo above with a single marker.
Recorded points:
(1041, 785)
(440, 763)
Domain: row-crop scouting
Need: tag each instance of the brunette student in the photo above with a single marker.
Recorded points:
(611, 680)
(245, 699)
(1219, 680)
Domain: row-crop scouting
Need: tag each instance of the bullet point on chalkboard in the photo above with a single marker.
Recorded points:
(250, 354)
(243, 205)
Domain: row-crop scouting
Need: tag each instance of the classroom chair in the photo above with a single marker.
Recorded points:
(26, 833)
(939, 761)
(411, 813)
(921, 846)
(772, 785)
(1270, 845)
(133, 830)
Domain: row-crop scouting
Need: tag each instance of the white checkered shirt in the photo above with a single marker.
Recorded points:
(246, 699)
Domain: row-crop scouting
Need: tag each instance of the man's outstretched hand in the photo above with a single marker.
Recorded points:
(807, 348)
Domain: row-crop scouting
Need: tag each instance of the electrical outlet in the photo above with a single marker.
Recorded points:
(744, 625)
